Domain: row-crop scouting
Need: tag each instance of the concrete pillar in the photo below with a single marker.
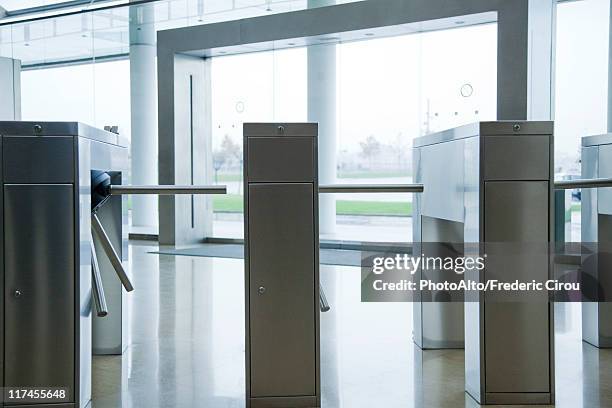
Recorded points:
(10, 86)
(143, 97)
(322, 109)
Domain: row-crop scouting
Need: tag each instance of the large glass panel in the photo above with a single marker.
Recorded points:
(257, 87)
(581, 91)
(50, 91)
(22, 4)
(59, 94)
(458, 77)
(392, 90)
(386, 92)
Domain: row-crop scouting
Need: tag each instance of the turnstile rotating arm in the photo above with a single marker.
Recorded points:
(103, 187)
(323, 305)
(96, 283)
(97, 227)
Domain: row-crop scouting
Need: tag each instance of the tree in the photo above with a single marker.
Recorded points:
(400, 150)
(370, 148)
(226, 155)
(218, 162)
(230, 149)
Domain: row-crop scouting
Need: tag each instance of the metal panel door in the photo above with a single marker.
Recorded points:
(517, 343)
(282, 268)
(39, 286)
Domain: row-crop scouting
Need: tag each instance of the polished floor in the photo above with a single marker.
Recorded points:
(187, 346)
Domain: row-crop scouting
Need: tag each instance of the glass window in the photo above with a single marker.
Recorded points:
(581, 91)
(96, 94)
(257, 87)
(387, 92)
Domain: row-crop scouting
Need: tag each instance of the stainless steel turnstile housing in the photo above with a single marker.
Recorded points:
(281, 265)
(597, 229)
(490, 182)
(46, 260)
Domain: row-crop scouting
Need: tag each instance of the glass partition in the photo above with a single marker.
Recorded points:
(386, 92)
(581, 91)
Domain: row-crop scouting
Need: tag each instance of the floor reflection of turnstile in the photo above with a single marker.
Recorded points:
(596, 231)
(490, 182)
(281, 265)
(46, 297)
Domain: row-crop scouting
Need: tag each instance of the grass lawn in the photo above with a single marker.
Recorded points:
(228, 177)
(372, 174)
(233, 203)
(354, 207)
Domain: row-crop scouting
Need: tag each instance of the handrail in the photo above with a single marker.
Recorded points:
(371, 188)
(96, 283)
(110, 252)
(583, 183)
(167, 190)
(323, 304)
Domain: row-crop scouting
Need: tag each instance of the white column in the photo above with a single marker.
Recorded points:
(322, 109)
(143, 98)
(10, 86)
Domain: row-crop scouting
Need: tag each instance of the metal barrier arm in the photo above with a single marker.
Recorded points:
(105, 188)
(562, 185)
(362, 188)
(97, 227)
(167, 190)
(323, 305)
(583, 183)
(371, 188)
(96, 283)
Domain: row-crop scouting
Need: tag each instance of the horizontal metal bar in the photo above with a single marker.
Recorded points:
(167, 190)
(583, 183)
(323, 305)
(114, 259)
(371, 188)
(568, 259)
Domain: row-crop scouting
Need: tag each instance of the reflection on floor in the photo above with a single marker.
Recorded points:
(187, 346)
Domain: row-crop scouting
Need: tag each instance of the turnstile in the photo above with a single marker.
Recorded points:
(490, 184)
(281, 265)
(46, 260)
(596, 230)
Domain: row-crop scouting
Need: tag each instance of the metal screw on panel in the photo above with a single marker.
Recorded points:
(516, 127)
(17, 293)
(37, 129)
(261, 290)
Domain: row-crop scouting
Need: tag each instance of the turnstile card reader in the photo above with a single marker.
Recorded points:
(489, 185)
(46, 301)
(596, 230)
(281, 265)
